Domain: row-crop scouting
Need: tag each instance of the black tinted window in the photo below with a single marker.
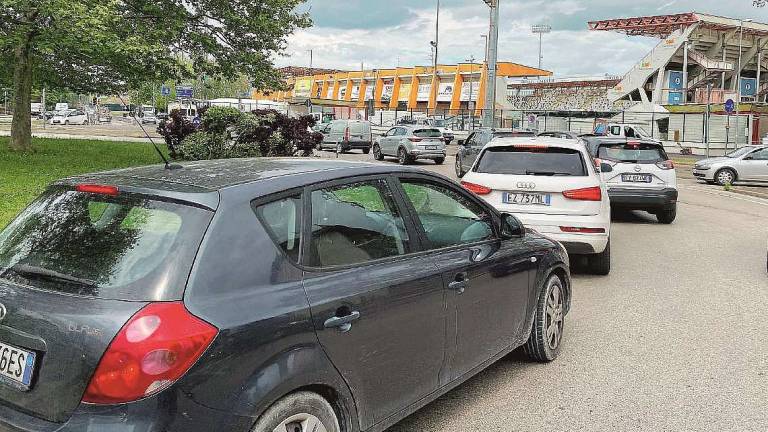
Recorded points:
(531, 160)
(632, 152)
(118, 247)
(355, 223)
(427, 133)
(282, 218)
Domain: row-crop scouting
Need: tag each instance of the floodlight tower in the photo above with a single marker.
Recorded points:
(493, 54)
(540, 29)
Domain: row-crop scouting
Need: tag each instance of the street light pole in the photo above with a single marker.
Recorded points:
(435, 45)
(493, 53)
(739, 131)
(485, 53)
(540, 29)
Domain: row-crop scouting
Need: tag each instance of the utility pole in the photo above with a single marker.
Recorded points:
(739, 131)
(470, 104)
(435, 45)
(311, 60)
(541, 29)
(493, 53)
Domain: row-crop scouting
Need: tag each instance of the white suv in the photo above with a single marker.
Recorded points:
(641, 177)
(552, 186)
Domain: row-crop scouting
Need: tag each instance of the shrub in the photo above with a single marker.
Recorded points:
(219, 119)
(174, 130)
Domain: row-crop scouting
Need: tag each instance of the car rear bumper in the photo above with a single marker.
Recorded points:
(642, 198)
(357, 145)
(574, 243)
(427, 154)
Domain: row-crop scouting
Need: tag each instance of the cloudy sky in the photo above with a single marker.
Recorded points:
(379, 33)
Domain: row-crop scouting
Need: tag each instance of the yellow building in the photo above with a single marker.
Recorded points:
(416, 88)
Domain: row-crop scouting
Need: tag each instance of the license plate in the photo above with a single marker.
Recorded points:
(16, 364)
(636, 178)
(523, 198)
(434, 147)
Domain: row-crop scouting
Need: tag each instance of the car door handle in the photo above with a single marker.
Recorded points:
(344, 324)
(460, 283)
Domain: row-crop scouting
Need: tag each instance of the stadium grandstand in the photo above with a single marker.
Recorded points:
(567, 94)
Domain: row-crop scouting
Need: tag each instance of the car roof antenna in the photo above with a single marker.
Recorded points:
(168, 165)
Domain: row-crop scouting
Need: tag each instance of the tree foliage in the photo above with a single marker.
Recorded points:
(109, 46)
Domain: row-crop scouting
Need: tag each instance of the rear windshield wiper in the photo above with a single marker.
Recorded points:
(547, 173)
(28, 270)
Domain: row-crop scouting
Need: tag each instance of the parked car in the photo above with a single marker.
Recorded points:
(70, 117)
(624, 130)
(749, 164)
(410, 143)
(147, 118)
(438, 124)
(262, 295)
(552, 186)
(47, 115)
(345, 135)
(470, 148)
(560, 134)
(642, 176)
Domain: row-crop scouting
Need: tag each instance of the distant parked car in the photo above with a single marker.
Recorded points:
(70, 117)
(263, 295)
(345, 135)
(470, 148)
(438, 124)
(149, 118)
(559, 134)
(749, 164)
(410, 143)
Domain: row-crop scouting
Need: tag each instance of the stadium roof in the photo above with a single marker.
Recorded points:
(663, 25)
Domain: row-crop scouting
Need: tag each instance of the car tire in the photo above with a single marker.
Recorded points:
(440, 161)
(600, 263)
(319, 146)
(550, 311)
(366, 150)
(291, 411)
(724, 176)
(667, 215)
(402, 156)
(457, 166)
(66, 122)
(377, 153)
(339, 148)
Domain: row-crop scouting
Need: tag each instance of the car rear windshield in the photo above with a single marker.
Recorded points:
(632, 152)
(544, 161)
(427, 133)
(124, 247)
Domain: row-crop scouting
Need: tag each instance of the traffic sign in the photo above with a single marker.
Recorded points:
(165, 91)
(184, 92)
(730, 106)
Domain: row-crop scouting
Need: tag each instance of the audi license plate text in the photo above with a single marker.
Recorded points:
(636, 178)
(16, 364)
(525, 198)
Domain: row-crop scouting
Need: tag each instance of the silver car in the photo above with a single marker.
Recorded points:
(747, 164)
(409, 143)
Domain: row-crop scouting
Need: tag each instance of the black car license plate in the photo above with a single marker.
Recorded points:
(16, 364)
(636, 178)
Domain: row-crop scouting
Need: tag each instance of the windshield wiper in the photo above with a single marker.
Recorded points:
(547, 173)
(28, 270)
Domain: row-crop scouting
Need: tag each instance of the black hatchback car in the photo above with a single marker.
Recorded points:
(262, 295)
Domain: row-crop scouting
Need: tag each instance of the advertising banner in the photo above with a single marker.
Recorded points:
(748, 87)
(405, 92)
(355, 93)
(302, 88)
(445, 92)
(329, 92)
(369, 91)
(343, 93)
(424, 91)
(470, 89)
(386, 94)
(675, 80)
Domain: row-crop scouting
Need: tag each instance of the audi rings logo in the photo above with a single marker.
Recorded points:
(3, 311)
(526, 185)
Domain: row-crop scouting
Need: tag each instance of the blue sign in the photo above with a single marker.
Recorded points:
(675, 98)
(748, 87)
(184, 92)
(165, 91)
(675, 80)
(730, 106)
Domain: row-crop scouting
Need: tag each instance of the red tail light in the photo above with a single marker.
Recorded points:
(586, 194)
(153, 349)
(582, 230)
(476, 188)
(667, 165)
(98, 189)
(414, 139)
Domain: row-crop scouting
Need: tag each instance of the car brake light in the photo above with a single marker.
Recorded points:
(414, 139)
(153, 349)
(98, 189)
(582, 230)
(667, 165)
(476, 188)
(585, 194)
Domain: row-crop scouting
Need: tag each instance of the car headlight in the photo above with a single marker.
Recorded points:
(703, 167)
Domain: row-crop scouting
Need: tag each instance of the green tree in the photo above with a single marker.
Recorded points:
(110, 46)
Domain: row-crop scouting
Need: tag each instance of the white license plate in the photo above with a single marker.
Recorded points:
(16, 364)
(434, 147)
(524, 198)
(636, 178)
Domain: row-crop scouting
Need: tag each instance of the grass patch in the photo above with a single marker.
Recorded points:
(24, 176)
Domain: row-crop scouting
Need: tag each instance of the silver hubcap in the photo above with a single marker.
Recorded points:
(301, 423)
(554, 323)
(725, 177)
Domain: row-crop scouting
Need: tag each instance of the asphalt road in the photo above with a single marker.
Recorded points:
(675, 339)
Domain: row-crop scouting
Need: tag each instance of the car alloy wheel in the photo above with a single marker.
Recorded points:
(459, 172)
(377, 153)
(301, 423)
(339, 148)
(402, 156)
(554, 321)
(725, 176)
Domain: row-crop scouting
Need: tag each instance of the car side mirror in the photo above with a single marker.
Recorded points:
(748, 158)
(462, 142)
(606, 167)
(511, 227)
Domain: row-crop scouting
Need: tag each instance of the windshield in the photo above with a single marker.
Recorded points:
(438, 123)
(124, 247)
(739, 152)
(544, 161)
(427, 133)
(632, 152)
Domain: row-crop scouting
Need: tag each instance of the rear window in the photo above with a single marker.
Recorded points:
(359, 128)
(632, 152)
(427, 133)
(124, 247)
(544, 161)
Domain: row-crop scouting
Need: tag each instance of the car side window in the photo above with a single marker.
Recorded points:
(479, 140)
(392, 132)
(447, 216)
(355, 223)
(282, 220)
(401, 131)
(760, 155)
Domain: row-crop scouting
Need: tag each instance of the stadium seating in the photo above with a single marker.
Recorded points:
(564, 97)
